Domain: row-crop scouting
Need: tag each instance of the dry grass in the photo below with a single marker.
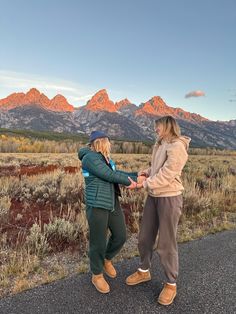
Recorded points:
(44, 232)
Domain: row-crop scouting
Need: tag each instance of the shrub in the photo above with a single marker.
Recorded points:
(37, 242)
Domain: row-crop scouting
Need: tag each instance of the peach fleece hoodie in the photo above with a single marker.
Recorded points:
(168, 160)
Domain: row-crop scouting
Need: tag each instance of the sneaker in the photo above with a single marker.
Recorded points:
(109, 268)
(138, 277)
(100, 283)
(167, 294)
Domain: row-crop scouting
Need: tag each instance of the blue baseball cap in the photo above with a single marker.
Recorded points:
(95, 135)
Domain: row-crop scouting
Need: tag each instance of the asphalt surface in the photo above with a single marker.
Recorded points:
(207, 284)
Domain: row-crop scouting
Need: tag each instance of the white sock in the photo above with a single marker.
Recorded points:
(172, 284)
(143, 270)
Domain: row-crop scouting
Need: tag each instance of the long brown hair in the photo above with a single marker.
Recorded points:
(103, 146)
(171, 129)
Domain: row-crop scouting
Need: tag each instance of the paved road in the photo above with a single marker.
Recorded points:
(207, 284)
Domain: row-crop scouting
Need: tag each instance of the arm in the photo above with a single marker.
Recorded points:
(176, 159)
(132, 175)
(101, 170)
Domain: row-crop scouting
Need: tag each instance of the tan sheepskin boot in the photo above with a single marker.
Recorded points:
(138, 277)
(100, 283)
(167, 294)
(109, 268)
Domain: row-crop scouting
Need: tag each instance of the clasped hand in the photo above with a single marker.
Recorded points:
(138, 184)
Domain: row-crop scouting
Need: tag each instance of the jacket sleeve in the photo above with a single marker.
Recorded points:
(101, 170)
(176, 159)
(132, 175)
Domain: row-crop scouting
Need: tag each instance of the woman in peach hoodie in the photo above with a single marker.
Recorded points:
(163, 206)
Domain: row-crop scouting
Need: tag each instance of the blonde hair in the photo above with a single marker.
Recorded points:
(171, 129)
(103, 146)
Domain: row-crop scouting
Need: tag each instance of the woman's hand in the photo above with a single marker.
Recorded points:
(143, 174)
(134, 185)
(141, 179)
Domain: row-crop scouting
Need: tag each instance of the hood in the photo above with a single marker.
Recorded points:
(83, 151)
(186, 140)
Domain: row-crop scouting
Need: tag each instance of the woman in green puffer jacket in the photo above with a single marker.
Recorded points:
(103, 209)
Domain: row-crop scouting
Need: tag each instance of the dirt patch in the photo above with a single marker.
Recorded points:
(9, 170)
(35, 170)
(70, 169)
(31, 170)
(23, 216)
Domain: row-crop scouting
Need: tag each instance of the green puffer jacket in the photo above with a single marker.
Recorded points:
(100, 179)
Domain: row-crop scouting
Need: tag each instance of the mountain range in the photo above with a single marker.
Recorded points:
(120, 120)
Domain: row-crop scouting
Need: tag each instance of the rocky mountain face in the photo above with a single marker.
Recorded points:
(122, 104)
(120, 120)
(101, 102)
(35, 117)
(34, 97)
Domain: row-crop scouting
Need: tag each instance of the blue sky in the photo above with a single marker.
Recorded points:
(133, 48)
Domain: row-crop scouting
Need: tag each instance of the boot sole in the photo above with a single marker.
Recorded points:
(101, 291)
(137, 282)
(172, 300)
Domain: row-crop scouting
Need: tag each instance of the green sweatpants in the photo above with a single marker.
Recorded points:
(99, 221)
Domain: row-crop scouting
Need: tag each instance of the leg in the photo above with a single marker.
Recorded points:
(98, 223)
(116, 224)
(148, 232)
(146, 241)
(169, 211)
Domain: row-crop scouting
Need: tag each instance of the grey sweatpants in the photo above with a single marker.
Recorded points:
(161, 214)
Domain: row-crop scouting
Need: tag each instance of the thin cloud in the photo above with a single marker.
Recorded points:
(79, 100)
(85, 97)
(232, 94)
(196, 93)
(21, 80)
(11, 82)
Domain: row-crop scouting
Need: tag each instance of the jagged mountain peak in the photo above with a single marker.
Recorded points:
(33, 92)
(101, 102)
(35, 97)
(122, 103)
(154, 106)
(60, 103)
